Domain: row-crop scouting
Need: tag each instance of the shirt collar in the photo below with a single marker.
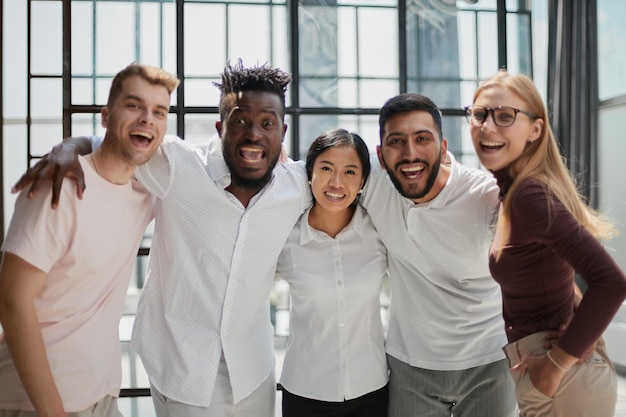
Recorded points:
(307, 233)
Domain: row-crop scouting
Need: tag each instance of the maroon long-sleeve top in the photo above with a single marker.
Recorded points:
(547, 245)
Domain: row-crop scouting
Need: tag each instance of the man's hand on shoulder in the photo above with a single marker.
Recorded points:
(61, 162)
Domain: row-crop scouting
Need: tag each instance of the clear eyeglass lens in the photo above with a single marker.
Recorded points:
(502, 116)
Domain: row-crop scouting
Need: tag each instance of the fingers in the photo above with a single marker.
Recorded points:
(27, 178)
(57, 183)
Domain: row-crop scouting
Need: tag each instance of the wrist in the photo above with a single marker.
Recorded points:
(560, 359)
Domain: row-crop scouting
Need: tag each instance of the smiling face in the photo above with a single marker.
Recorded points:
(497, 147)
(336, 178)
(411, 152)
(136, 120)
(252, 133)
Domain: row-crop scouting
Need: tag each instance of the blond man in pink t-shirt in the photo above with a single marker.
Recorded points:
(65, 271)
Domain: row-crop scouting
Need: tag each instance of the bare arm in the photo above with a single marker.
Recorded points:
(20, 282)
(61, 162)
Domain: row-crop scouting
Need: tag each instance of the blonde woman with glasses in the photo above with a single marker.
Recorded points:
(545, 235)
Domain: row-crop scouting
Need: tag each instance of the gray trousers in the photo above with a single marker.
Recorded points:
(483, 391)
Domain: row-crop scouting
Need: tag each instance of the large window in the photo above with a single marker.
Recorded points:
(347, 58)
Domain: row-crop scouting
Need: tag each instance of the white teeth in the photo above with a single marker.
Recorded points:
(413, 169)
(144, 134)
(335, 195)
(494, 144)
(246, 149)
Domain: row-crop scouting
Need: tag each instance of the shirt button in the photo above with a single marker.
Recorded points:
(339, 282)
(343, 345)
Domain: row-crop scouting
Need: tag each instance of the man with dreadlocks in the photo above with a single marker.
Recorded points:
(223, 213)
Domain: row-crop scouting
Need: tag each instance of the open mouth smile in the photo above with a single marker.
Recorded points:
(250, 154)
(412, 172)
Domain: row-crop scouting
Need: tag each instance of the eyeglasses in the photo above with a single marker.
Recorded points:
(502, 116)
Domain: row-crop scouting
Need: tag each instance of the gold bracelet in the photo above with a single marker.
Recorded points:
(556, 363)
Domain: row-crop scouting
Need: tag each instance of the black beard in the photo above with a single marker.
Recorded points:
(429, 182)
(249, 183)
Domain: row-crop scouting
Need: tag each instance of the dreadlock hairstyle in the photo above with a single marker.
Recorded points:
(258, 78)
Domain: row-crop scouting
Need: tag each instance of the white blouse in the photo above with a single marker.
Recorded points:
(336, 342)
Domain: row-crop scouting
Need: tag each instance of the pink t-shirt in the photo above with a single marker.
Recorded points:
(88, 248)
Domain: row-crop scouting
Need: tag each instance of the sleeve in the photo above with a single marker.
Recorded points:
(156, 175)
(555, 227)
(39, 234)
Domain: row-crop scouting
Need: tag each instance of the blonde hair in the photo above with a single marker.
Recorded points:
(542, 160)
(154, 75)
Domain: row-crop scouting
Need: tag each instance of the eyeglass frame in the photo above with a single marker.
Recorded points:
(469, 117)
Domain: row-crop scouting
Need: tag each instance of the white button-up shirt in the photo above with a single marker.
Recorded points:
(446, 309)
(211, 269)
(336, 348)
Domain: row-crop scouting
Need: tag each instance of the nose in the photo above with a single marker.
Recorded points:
(255, 132)
(411, 150)
(147, 117)
(335, 179)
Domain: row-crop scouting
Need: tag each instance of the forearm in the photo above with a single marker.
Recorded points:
(20, 283)
(25, 342)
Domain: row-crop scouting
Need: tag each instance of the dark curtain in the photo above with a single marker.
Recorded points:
(573, 87)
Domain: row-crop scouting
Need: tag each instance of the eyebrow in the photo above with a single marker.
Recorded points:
(325, 161)
(417, 132)
(134, 97)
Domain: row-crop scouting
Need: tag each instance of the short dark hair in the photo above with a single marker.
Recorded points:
(258, 78)
(336, 138)
(154, 75)
(405, 103)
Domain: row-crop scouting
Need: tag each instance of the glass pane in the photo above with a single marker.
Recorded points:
(205, 47)
(82, 91)
(252, 49)
(168, 38)
(103, 85)
(82, 38)
(374, 93)
(468, 50)
(611, 47)
(378, 49)
(150, 34)
(45, 133)
(201, 93)
(318, 56)
(115, 48)
(280, 38)
(347, 58)
(487, 44)
(46, 98)
(87, 125)
(519, 54)
(46, 38)
(446, 94)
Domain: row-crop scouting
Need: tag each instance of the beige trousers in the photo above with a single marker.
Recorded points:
(587, 390)
(106, 407)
